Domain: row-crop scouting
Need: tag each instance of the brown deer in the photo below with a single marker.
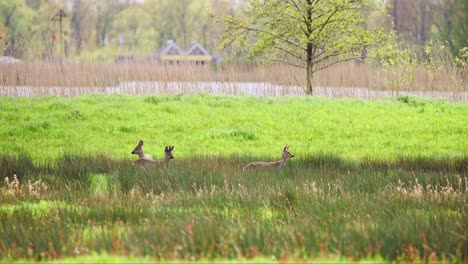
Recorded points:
(147, 159)
(273, 164)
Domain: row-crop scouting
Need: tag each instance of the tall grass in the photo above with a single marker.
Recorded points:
(206, 208)
(409, 78)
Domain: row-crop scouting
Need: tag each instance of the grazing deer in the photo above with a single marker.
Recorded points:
(147, 159)
(274, 164)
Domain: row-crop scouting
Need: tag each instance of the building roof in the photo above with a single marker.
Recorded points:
(170, 48)
(196, 49)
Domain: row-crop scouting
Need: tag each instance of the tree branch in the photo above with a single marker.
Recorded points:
(288, 63)
(332, 63)
(288, 52)
(273, 35)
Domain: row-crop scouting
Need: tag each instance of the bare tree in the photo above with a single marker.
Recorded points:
(82, 22)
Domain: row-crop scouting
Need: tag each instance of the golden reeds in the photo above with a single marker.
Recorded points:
(350, 79)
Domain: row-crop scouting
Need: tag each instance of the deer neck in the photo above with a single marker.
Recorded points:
(282, 162)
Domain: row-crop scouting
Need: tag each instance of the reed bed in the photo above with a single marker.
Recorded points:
(82, 78)
(219, 88)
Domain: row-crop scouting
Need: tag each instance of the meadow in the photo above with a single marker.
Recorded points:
(377, 180)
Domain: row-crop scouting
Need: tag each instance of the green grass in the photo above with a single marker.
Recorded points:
(371, 180)
(47, 128)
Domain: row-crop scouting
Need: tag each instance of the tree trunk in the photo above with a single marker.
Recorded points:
(309, 50)
(422, 29)
(309, 88)
(395, 15)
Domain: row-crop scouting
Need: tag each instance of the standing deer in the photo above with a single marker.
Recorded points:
(273, 164)
(147, 159)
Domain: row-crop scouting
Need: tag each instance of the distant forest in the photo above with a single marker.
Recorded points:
(98, 30)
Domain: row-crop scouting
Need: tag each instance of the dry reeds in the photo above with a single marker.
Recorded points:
(351, 79)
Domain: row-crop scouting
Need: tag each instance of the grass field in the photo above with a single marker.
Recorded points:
(372, 179)
(48, 128)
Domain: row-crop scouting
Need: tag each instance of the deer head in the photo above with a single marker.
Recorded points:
(286, 153)
(138, 149)
(168, 153)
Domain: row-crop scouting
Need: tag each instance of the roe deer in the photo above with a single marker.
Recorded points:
(147, 159)
(274, 164)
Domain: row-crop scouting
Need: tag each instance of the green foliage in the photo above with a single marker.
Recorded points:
(26, 27)
(16, 17)
(394, 56)
(309, 34)
(462, 58)
(453, 29)
(134, 24)
(411, 101)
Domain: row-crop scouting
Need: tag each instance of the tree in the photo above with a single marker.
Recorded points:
(310, 34)
(453, 24)
(183, 20)
(82, 22)
(134, 24)
(106, 12)
(15, 16)
(44, 26)
(412, 20)
(3, 35)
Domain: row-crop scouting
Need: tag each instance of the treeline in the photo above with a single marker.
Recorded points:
(418, 22)
(101, 29)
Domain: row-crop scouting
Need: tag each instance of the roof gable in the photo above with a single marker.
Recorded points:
(170, 48)
(196, 49)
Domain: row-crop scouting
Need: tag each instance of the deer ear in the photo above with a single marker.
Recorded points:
(171, 148)
(286, 148)
(140, 143)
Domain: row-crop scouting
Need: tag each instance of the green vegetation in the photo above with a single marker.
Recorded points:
(309, 35)
(92, 30)
(46, 129)
(371, 180)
